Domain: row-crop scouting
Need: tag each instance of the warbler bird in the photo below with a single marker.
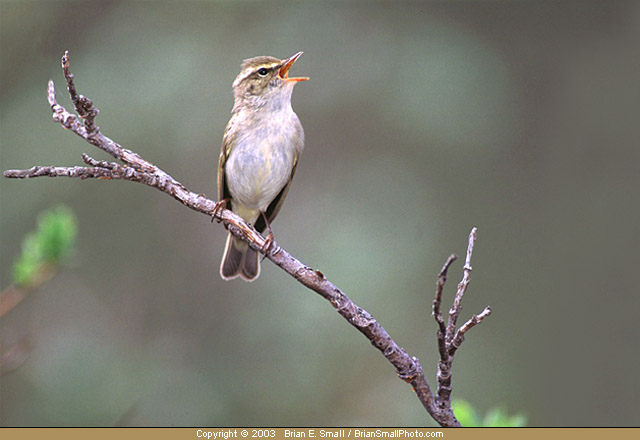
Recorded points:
(260, 150)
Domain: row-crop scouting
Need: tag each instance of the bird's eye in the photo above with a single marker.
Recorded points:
(263, 71)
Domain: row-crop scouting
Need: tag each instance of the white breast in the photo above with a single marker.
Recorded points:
(262, 160)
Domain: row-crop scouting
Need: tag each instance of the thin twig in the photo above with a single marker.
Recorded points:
(458, 338)
(449, 339)
(99, 163)
(435, 310)
(455, 310)
(83, 105)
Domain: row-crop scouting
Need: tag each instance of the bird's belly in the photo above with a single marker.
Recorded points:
(257, 173)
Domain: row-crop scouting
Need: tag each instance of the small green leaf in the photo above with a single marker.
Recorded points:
(57, 233)
(52, 241)
(465, 413)
(517, 421)
(496, 417)
(28, 263)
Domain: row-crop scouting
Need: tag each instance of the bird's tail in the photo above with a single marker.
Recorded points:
(239, 260)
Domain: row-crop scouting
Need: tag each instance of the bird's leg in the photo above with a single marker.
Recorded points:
(220, 206)
(268, 241)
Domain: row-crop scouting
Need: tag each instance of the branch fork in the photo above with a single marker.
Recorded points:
(134, 168)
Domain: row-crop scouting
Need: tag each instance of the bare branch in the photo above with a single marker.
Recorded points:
(95, 138)
(472, 322)
(84, 106)
(449, 339)
(39, 171)
(455, 310)
(136, 169)
(437, 314)
(99, 163)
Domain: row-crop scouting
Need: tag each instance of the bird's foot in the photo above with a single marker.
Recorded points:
(220, 206)
(267, 246)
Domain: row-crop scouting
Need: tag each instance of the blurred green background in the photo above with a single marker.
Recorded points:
(422, 120)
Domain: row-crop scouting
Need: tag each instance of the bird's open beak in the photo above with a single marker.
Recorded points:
(286, 65)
